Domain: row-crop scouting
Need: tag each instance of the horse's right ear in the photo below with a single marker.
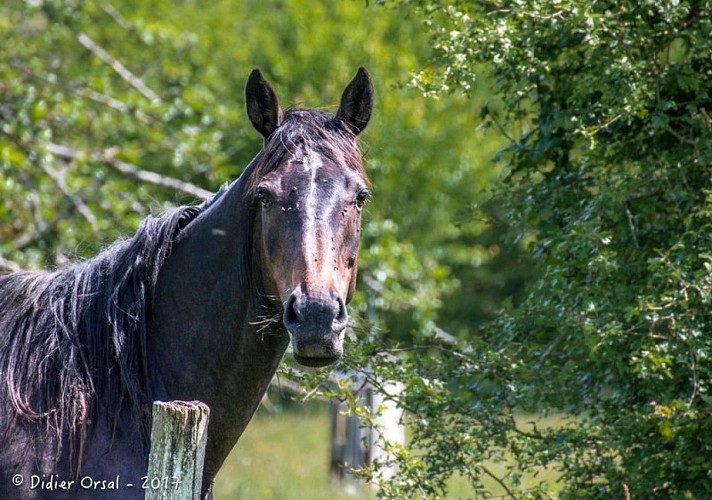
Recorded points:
(262, 104)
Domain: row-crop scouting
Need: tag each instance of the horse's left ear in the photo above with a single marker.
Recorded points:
(357, 102)
(262, 104)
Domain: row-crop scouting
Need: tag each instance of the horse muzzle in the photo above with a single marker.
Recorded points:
(316, 324)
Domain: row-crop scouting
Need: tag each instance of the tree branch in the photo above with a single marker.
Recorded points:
(43, 229)
(86, 93)
(498, 480)
(116, 16)
(631, 225)
(679, 137)
(76, 200)
(8, 264)
(117, 66)
(108, 157)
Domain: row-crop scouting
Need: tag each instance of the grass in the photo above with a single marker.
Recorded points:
(282, 456)
(285, 456)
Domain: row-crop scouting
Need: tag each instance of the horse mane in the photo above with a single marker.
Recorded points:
(70, 335)
(314, 129)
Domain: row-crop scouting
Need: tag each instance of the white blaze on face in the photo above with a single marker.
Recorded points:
(317, 257)
(312, 164)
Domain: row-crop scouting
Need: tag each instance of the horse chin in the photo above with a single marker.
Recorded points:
(316, 362)
(316, 348)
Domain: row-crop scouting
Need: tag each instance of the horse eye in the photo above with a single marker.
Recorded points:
(362, 197)
(264, 197)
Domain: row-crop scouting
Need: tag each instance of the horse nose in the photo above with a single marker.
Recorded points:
(320, 314)
(316, 324)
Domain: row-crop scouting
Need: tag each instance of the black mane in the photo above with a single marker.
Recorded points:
(69, 335)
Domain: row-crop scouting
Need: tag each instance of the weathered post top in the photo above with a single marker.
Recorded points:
(178, 438)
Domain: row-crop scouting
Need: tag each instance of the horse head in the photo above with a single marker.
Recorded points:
(308, 200)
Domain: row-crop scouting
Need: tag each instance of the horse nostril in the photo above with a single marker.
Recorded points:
(342, 317)
(291, 316)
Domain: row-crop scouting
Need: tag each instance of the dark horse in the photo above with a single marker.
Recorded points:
(200, 304)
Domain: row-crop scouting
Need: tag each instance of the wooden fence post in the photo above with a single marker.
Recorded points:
(178, 438)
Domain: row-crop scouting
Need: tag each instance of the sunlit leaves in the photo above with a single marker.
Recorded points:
(609, 168)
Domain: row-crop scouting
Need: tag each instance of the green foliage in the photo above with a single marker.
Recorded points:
(608, 174)
(73, 112)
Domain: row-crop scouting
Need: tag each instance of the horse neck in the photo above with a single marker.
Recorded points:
(205, 297)
(205, 341)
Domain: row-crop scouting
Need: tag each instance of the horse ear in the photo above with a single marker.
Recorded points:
(357, 102)
(262, 104)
